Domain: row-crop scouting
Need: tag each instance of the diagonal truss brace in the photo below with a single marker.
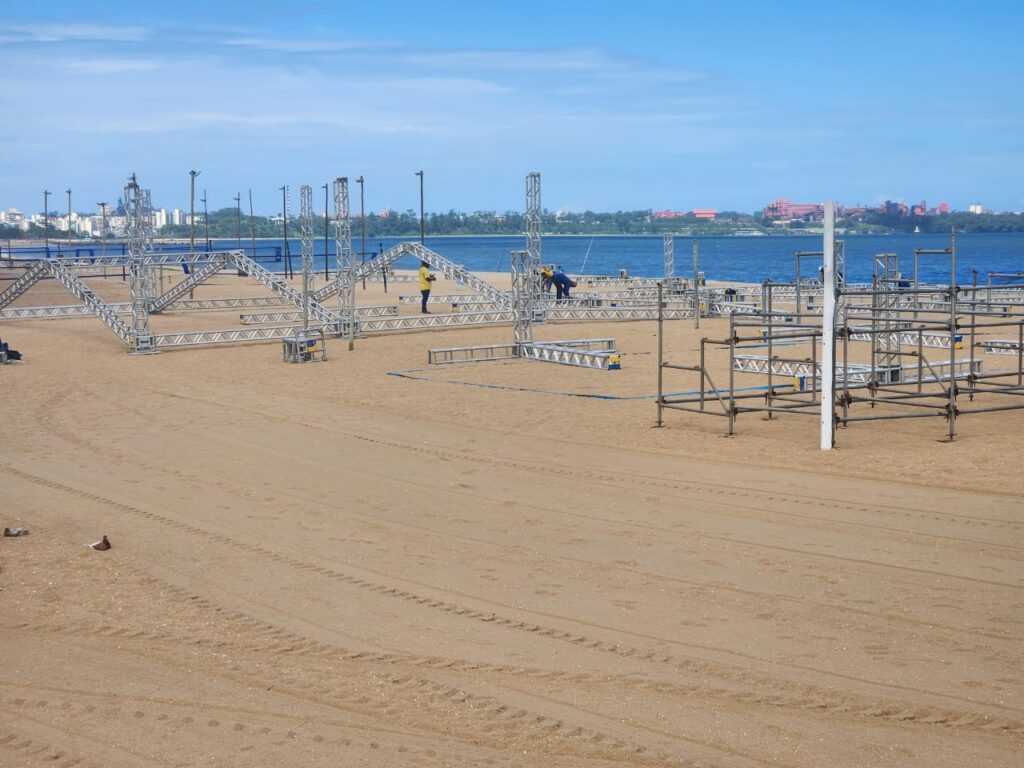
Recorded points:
(449, 269)
(104, 311)
(29, 278)
(197, 277)
(285, 291)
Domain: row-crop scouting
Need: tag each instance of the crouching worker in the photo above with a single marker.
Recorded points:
(562, 284)
(425, 281)
(546, 273)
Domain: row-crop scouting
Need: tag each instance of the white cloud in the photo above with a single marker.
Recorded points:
(108, 66)
(58, 33)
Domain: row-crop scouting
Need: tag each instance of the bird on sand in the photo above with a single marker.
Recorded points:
(102, 545)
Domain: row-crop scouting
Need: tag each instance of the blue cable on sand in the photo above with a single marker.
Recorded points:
(408, 375)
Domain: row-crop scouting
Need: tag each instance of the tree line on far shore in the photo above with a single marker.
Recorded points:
(226, 224)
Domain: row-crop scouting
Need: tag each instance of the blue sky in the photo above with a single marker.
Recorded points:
(618, 105)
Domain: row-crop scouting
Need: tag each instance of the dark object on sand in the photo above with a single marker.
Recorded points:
(15, 531)
(102, 545)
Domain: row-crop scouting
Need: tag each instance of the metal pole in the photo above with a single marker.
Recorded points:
(732, 372)
(103, 233)
(362, 225)
(252, 226)
(284, 218)
(206, 222)
(238, 221)
(952, 334)
(69, 222)
(771, 332)
(192, 224)
(703, 383)
(46, 221)
(420, 174)
(661, 355)
(798, 297)
(828, 330)
(327, 275)
(696, 286)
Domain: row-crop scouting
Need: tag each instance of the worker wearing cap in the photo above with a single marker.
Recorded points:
(546, 273)
(425, 280)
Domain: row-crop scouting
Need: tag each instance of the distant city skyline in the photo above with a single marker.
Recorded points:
(660, 105)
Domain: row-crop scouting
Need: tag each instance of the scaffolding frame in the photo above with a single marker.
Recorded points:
(901, 379)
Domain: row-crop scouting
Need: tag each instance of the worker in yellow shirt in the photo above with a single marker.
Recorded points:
(425, 280)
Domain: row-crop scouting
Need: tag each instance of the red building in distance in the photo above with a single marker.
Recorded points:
(697, 213)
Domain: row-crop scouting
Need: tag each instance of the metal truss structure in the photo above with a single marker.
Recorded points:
(885, 314)
(420, 322)
(199, 275)
(533, 212)
(55, 312)
(522, 297)
(291, 316)
(140, 272)
(345, 257)
(306, 235)
(899, 319)
(894, 339)
(448, 268)
(558, 352)
(227, 336)
(1002, 346)
(854, 373)
(35, 272)
(669, 249)
(98, 307)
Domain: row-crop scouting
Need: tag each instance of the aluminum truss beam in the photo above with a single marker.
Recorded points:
(522, 298)
(448, 268)
(228, 336)
(28, 278)
(668, 246)
(1001, 346)
(471, 354)
(533, 211)
(581, 358)
(198, 276)
(289, 316)
(316, 310)
(140, 274)
(615, 313)
(345, 257)
(230, 303)
(105, 312)
(854, 373)
(933, 339)
(418, 322)
(155, 259)
(55, 312)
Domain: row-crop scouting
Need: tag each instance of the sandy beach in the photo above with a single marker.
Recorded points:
(370, 561)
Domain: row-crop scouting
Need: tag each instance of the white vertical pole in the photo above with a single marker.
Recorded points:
(828, 326)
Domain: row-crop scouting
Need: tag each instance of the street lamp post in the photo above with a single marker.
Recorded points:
(362, 226)
(252, 226)
(420, 174)
(327, 275)
(69, 221)
(192, 224)
(46, 220)
(284, 217)
(206, 222)
(103, 233)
